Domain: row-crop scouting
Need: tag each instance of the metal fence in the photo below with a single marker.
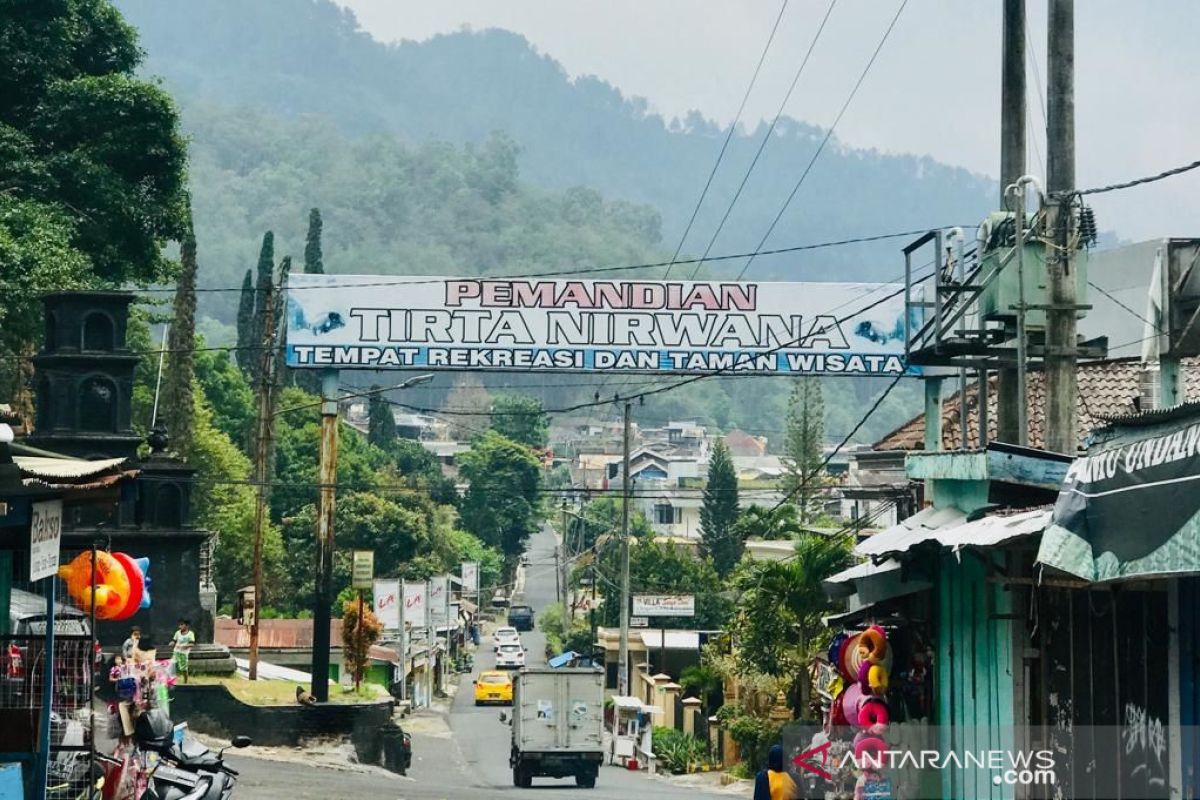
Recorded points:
(66, 681)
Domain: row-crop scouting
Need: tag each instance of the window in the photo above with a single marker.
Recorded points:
(98, 405)
(98, 332)
(667, 514)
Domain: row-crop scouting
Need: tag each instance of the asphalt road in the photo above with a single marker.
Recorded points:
(472, 764)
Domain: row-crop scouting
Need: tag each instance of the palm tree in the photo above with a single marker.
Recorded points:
(781, 609)
(702, 680)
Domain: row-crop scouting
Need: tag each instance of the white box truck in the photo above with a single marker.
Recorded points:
(557, 725)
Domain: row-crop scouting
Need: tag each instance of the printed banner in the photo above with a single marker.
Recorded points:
(470, 578)
(439, 597)
(1130, 508)
(387, 603)
(416, 605)
(615, 326)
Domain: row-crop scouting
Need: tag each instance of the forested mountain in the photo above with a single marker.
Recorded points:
(292, 58)
(472, 153)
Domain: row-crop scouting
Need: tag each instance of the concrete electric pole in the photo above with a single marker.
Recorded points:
(623, 651)
(1012, 167)
(1061, 353)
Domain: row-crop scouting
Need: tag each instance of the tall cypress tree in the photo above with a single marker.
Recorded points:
(283, 374)
(313, 264)
(381, 426)
(177, 402)
(262, 290)
(803, 456)
(245, 325)
(307, 379)
(720, 535)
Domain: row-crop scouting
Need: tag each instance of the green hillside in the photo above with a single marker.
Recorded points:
(292, 58)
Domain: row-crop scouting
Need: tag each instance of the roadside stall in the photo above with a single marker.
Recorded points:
(629, 726)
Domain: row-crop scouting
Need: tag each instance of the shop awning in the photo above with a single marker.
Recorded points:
(1130, 508)
(920, 527)
(676, 640)
(873, 583)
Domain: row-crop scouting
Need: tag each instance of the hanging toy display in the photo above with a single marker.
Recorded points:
(121, 584)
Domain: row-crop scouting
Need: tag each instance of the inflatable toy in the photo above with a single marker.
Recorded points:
(144, 565)
(877, 680)
(122, 584)
(837, 714)
(871, 713)
(852, 699)
(872, 747)
(875, 640)
(137, 587)
(112, 583)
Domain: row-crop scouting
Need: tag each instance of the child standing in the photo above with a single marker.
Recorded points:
(183, 640)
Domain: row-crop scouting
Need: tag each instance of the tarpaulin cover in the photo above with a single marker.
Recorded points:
(1130, 507)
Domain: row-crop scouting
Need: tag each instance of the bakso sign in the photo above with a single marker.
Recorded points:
(633, 326)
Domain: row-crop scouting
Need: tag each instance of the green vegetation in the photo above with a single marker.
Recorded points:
(520, 418)
(663, 568)
(503, 497)
(720, 536)
(677, 751)
(92, 165)
(803, 444)
(562, 636)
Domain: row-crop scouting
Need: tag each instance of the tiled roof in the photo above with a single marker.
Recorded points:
(1106, 390)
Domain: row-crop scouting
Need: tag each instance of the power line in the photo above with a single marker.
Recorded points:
(763, 143)
(1112, 187)
(725, 145)
(828, 135)
(400, 281)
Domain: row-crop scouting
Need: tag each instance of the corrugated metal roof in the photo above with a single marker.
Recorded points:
(864, 570)
(59, 468)
(949, 528)
(995, 530)
(920, 527)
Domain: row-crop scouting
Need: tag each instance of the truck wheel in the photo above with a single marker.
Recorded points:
(522, 778)
(586, 781)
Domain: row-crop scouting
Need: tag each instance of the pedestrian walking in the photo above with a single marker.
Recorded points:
(774, 783)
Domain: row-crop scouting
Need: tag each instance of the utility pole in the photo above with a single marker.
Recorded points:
(327, 478)
(262, 449)
(623, 652)
(558, 589)
(1061, 379)
(562, 565)
(1012, 167)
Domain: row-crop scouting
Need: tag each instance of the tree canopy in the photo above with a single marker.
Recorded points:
(521, 419)
(503, 494)
(720, 536)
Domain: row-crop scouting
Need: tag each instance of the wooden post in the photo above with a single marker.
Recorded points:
(262, 445)
(327, 477)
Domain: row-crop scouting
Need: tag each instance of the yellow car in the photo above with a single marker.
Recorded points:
(494, 687)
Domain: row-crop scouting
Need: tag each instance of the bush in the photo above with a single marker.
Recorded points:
(677, 751)
(753, 734)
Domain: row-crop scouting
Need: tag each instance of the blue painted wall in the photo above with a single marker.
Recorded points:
(974, 673)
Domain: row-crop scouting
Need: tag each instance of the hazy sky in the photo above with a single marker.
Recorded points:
(934, 90)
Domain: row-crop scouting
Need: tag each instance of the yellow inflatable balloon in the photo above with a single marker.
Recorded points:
(112, 583)
(877, 678)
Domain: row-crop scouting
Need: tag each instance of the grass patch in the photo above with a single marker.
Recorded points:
(283, 693)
